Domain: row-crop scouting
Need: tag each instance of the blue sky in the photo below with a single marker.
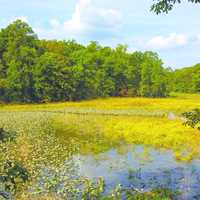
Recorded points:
(176, 36)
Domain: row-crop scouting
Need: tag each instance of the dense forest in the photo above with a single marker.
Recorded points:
(33, 70)
(186, 79)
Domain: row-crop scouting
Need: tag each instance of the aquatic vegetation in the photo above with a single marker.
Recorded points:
(13, 177)
(5, 136)
(103, 132)
(34, 146)
(157, 194)
(47, 136)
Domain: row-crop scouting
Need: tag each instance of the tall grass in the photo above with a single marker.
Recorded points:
(177, 103)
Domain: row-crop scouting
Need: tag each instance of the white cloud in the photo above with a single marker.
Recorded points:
(76, 23)
(165, 42)
(86, 19)
(112, 17)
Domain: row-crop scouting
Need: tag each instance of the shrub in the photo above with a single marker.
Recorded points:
(192, 118)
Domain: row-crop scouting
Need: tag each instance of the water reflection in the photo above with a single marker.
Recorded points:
(143, 169)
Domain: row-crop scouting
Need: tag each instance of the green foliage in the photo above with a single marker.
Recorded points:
(153, 80)
(93, 190)
(196, 81)
(5, 136)
(156, 194)
(13, 176)
(53, 78)
(192, 118)
(18, 53)
(164, 6)
(33, 70)
(186, 79)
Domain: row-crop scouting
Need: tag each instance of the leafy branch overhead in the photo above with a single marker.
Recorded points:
(164, 6)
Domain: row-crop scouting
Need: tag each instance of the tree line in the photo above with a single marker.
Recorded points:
(186, 80)
(34, 70)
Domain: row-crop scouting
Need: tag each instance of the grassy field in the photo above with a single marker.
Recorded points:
(46, 132)
(176, 103)
(133, 120)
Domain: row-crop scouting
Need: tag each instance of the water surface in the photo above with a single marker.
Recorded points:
(134, 166)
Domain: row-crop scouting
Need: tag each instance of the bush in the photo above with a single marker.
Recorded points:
(192, 118)
(5, 136)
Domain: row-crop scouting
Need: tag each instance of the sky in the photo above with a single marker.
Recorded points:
(174, 36)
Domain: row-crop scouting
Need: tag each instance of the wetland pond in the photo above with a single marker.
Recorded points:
(140, 168)
(61, 158)
(134, 166)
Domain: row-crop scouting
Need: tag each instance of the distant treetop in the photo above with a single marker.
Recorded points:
(164, 6)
